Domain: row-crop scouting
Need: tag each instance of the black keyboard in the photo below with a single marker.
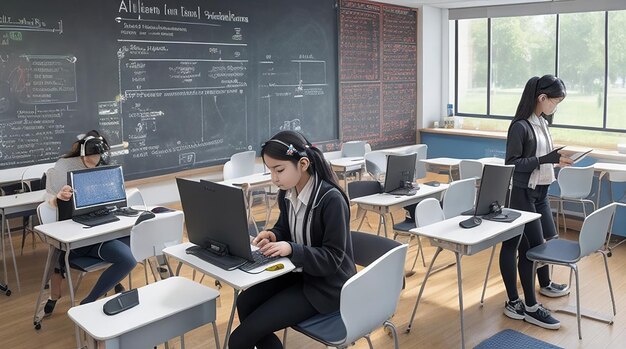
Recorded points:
(226, 262)
(95, 218)
(404, 191)
(259, 260)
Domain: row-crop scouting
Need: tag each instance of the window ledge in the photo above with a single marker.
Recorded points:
(599, 153)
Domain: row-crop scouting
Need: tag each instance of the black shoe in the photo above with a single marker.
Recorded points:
(49, 307)
(541, 317)
(119, 288)
(514, 309)
(555, 290)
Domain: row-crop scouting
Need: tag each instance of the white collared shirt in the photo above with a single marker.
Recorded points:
(545, 174)
(297, 210)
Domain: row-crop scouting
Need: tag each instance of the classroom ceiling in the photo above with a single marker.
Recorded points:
(459, 3)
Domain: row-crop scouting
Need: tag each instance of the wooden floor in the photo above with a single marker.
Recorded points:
(436, 324)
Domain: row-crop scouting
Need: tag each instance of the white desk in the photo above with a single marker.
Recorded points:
(384, 203)
(449, 164)
(10, 204)
(348, 164)
(68, 235)
(167, 309)
(465, 242)
(237, 279)
(604, 168)
(247, 184)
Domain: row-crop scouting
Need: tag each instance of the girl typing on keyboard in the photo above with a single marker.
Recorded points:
(89, 151)
(313, 230)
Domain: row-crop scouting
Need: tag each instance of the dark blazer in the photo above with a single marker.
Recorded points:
(521, 147)
(327, 261)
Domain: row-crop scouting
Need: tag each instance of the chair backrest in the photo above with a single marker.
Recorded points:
(617, 176)
(595, 228)
(353, 149)
(239, 165)
(46, 213)
(428, 211)
(422, 152)
(134, 198)
(151, 236)
(575, 182)
(470, 169)
(370, 297)
(34, 172)
(356, 189)
(376, 164)
(459, 197)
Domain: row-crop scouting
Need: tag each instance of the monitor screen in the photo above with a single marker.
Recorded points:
(494, 186)
(97, 188)
(400, 169)
(215, 213)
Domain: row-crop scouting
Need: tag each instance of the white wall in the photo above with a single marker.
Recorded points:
(432, 69)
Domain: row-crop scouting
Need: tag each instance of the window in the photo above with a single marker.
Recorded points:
(581, 66)
(496, 57)
(616, 96)
(521, 47)
(472, 66)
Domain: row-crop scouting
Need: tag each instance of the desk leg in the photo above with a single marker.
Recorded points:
(231, 318)
(44, 280)
(482, 297)
(459, 279)
(419, 296)
(68, 276)
(4, 287)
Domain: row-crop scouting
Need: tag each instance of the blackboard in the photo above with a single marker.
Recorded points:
(378, 73)
(185, 83)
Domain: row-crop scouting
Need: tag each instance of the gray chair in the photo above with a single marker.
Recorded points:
(569, 253)
(368, 299)
(575, 185)
(357, 189)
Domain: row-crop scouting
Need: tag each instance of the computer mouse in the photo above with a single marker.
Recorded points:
(144, 216)
(160, 209)
(275, 267)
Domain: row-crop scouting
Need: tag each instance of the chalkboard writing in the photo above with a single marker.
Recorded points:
(360, 111)
(378, 90)
(185, 83)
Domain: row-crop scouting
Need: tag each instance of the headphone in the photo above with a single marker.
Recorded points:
(99, 145)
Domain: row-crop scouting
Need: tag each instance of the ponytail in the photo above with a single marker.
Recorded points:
(293, 146)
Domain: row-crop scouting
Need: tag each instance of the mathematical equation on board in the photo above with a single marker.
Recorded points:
(359, 46)
(399, 25)
(399, 62)
(360, 111)
(399, 108)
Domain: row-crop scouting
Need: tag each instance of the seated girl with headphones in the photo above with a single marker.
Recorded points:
(88, 152)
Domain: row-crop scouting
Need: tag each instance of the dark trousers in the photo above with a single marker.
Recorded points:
(117, 252)
(535, 233)
(269, 307)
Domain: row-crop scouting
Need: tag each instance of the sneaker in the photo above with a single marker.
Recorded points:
(48, 308)
(119, 288)
(555, 290)
(540, 316)
(514, 309)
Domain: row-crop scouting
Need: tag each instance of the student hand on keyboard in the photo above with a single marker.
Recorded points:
(276, 249)
(263, 238)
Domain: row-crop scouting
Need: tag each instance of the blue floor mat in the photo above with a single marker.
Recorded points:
(511, 339)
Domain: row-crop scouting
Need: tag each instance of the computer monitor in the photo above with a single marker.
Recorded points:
(400, 171)
(215, 215)
(97, 188)
(494, 186)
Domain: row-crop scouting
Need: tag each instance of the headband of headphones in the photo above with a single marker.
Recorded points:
(97, 146)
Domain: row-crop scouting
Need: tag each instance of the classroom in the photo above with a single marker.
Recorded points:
(152, 150)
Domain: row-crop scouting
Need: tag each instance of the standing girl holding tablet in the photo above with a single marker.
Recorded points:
(529, 147)
(313, 230)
